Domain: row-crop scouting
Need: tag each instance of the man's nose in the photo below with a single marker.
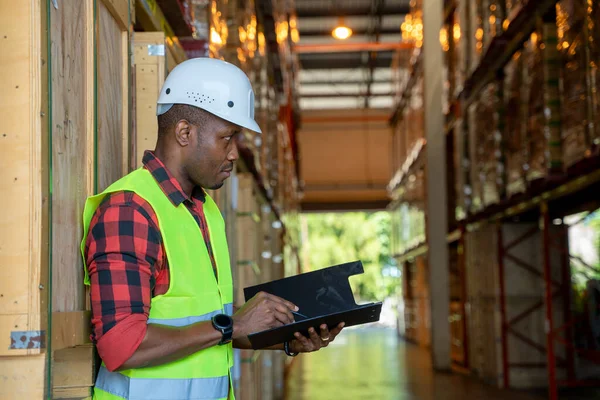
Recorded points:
(234, 153)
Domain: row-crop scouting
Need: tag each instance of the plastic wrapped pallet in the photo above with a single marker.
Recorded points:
(416, 115)
(495, 15)
(460, 50)
(462, 168)
(477, 29)
(516, 127)
(483, 138)
(534, 84)
(575, 103)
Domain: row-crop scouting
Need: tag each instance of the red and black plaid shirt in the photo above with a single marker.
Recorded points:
(128, 264)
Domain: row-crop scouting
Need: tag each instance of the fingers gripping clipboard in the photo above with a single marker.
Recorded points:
(323, 297)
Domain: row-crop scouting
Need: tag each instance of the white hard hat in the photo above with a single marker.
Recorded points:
(213, 85)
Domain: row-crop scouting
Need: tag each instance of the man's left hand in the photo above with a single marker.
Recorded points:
(315, 341)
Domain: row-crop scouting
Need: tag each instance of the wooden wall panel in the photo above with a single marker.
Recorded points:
(23, 183)
(111, 61)
(71, 172)
(22, 377)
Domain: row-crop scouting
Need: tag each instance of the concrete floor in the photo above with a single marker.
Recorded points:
(371, 363)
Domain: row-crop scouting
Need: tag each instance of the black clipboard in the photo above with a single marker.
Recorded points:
(323, 297)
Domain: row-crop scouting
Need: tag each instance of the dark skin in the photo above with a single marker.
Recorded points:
(205, 157)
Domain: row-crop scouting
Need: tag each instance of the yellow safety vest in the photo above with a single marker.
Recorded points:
(194, 295)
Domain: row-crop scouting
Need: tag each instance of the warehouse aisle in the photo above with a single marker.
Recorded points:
(371, 363)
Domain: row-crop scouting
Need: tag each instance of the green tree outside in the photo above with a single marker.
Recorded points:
(337, 238)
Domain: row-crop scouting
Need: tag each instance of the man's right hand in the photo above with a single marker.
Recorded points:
(263, 311)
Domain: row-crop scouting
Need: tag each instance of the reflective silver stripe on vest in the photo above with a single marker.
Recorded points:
(190, 320)
(162, 389)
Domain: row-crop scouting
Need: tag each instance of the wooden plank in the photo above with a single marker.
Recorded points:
(69, 151)
(149, 59)
(126, 131)
(119, 9)
(111, 115)
(22, 377)
(24, 190)
(70, 329)
(84, 393)
(175, 54)
(73, 367)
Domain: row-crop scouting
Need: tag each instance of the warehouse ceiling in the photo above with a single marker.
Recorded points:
(345, 97)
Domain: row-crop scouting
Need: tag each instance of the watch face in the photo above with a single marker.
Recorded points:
(223, 320)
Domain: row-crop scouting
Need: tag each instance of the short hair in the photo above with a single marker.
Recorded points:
(193, 115)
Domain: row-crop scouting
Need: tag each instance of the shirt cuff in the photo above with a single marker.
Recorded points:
(122, 340)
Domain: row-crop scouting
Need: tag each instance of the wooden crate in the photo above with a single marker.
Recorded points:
(91, 135)
(64, 132)
(149, 73)
(24, 227)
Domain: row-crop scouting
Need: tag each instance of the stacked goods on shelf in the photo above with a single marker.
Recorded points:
(455, 273)
(476, 30)
(534, 87)
(593, 24)
(495, 15)
(416, 116)
(515, 133)
(460, 56)
(461, 159)
(484, 141)
(576, 102)
(416, 302)
(408, 222)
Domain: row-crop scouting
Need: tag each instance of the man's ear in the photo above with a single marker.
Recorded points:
(182, 132)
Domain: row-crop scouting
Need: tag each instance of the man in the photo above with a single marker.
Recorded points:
(156, 256)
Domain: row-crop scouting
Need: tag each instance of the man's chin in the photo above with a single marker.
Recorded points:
(217, 186)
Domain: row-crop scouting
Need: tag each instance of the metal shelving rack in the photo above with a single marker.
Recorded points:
(545, 201)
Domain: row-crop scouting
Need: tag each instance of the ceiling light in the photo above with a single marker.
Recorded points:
(341, 31)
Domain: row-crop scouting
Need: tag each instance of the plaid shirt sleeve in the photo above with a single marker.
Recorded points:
(124, 255)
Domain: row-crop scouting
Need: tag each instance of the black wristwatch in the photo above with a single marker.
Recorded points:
(223, 323)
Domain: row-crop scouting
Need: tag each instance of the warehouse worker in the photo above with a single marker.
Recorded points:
(156, 254)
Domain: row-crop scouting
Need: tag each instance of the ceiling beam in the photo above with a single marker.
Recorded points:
(350, 47)
(334, 95)
(374, 205)
(358, 187)
(360, 11)
(333, 119)
(342, 82)
(341, 60)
